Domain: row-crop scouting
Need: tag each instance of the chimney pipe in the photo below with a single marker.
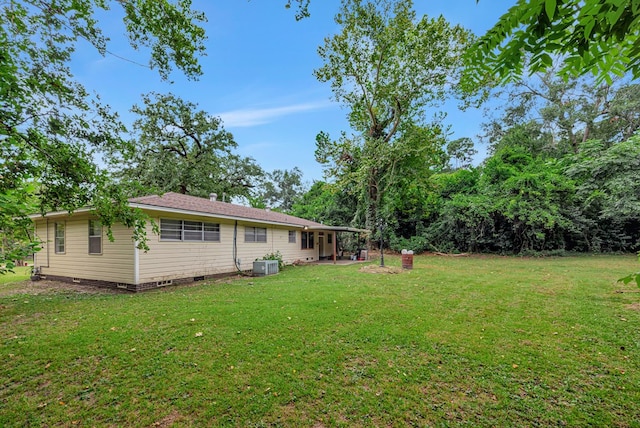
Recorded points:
(213, 197)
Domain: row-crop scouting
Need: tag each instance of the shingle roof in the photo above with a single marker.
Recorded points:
(178, 201)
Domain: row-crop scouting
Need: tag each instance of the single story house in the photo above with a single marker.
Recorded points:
(198, 238)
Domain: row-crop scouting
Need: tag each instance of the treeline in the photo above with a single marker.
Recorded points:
(562, 174)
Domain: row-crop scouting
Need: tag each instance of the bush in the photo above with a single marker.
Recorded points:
(418, 244)
(274, 256)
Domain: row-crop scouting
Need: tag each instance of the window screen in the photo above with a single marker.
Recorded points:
(95, 237)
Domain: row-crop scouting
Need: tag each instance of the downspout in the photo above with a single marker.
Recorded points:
(235, 246)
(47, 266)
(235, 250)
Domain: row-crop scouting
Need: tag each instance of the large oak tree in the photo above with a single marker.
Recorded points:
(178, 148)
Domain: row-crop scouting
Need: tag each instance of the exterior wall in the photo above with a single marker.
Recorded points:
(171, 260)
(291, 252)
(325, 248)
(115, 264)
(166, 262)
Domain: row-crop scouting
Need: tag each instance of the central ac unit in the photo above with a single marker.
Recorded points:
(265, 267)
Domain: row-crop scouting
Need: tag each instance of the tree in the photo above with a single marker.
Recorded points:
(590, 36)
(181, 149)
(324, 203)
(386, 66)
(16, 239)
(607, 194)
(514, 203)
(461, 152)
(50, 126)
(302, 9)
(283, 188)
(555, 116)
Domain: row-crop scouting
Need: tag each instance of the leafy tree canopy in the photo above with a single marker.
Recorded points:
(590, 36)
(179, 148)
(551, 115)
(282, 188)
(50, 126)
(386, 65)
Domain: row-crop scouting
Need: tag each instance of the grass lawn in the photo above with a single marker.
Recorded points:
(473, 341)
(20, 273)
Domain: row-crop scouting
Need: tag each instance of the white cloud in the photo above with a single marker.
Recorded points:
(254, 117)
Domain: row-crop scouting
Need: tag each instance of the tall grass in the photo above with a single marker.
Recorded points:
(479, 341)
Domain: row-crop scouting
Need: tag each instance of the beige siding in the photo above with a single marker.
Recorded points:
(176, 259)
(115, 264)
(40, 258)
(165, 260)
(292, 252)
(325, 248)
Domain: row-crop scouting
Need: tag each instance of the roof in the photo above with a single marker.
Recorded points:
(185, 204)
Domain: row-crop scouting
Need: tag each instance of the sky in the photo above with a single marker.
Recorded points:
(258, 75)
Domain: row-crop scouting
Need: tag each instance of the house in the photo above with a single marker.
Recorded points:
(198, 238)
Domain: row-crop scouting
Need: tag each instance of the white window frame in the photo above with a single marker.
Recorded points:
(292, 236)
(57, 240)
(212, 234)
(95, 235)
(188, 231)
(253, 234)
(175, 230)
(192, 231)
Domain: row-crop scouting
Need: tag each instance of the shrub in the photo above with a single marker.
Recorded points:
(274, 256)
(418, 244)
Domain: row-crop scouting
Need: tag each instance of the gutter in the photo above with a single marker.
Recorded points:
(59, 213)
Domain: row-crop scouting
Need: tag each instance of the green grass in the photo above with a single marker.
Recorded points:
(477, 341)
(19, 274)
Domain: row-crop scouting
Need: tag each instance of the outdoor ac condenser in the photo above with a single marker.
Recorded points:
(265, 267)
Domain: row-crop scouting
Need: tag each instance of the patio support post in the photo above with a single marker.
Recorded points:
(335, 245)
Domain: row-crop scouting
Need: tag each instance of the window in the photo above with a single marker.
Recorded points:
(171, 230)
(329, 238)
(59, 238)
(185, 230)
(255, 234)
(192, 230)
(212, 232)
(95, 237)
(307, 240)
(292, 236)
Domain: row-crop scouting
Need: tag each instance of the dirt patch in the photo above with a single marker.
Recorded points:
(35, 288)
(633, 306)
(173, 418)
(380, 269)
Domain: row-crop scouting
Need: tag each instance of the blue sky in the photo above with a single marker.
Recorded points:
(258, 75)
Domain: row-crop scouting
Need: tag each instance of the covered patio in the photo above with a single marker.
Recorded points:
(331, 247)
